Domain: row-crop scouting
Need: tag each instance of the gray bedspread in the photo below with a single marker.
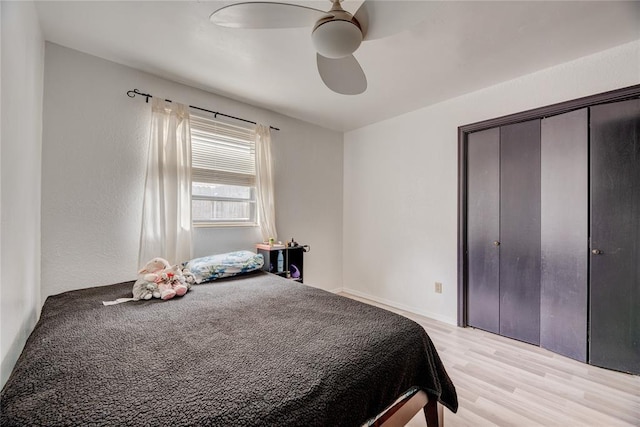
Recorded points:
(252, 351)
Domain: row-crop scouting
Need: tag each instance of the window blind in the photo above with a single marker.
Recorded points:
(222, 153)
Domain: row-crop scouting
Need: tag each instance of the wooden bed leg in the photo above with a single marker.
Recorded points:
(403, 410)
(433, 413)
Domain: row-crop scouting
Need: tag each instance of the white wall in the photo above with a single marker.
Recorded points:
(400, 181)
(95, 141)
(21, 119)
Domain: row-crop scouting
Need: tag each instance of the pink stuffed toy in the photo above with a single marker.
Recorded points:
(168, 278)
(152, 272)
(172, 279)
(158, 279)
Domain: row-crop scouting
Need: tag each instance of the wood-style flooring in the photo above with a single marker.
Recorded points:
(504, 382)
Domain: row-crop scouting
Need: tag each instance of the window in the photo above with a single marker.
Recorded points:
(223, 173)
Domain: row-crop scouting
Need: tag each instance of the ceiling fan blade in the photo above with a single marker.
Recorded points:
(266, 15)
(342, 75)
(380, 19)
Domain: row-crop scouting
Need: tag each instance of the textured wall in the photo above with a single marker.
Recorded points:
(95, 141)
(21, 93)
(400, 181)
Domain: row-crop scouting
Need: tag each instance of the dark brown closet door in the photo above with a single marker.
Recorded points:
(564, 233)
(483, 228)
(520, 231)
(615, 236)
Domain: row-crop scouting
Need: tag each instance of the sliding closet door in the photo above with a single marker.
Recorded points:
(564, 234)
(615, 236)
(483, 213)
(520, 231)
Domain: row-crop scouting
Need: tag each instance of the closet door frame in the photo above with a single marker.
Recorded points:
(464, 131)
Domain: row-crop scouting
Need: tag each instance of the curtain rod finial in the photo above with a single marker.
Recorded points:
(134, 92)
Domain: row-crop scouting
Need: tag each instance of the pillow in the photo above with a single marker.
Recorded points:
(224, 265)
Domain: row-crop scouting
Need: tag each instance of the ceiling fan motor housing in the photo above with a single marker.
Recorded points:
(337, 36)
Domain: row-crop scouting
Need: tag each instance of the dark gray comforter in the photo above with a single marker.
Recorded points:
(252, 351)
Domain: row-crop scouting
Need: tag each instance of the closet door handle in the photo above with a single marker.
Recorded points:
(496, 243)
(596, 251)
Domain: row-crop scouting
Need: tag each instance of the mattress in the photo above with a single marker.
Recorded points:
(245, 351)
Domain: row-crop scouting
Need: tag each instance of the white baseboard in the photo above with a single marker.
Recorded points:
(402, 307)
(336, 290)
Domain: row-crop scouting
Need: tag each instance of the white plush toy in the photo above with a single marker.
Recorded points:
(189, 278)
(158, 279)
(147, 287)
(170, 280)
(145, 290)
(171, 283)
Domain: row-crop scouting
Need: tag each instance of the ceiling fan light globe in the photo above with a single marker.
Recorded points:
(336, 39)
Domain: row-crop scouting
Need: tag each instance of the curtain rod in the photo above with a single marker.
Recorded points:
(134, 92)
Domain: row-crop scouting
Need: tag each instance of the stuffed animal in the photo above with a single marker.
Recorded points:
(179, 281)
(147, 286)
(158, 271)
(158, 279)
(145, 290)
(189, 278)
(170, 281)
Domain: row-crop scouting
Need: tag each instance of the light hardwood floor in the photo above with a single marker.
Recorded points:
(504, 382)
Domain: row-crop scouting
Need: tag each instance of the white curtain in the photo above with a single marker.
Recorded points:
(264, 184)
(166, 212)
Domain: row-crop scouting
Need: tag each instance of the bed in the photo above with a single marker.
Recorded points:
(253, 350)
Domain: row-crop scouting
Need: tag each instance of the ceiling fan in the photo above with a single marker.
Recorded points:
(336, 33)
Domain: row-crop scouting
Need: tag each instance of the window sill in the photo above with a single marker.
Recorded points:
(223, 224)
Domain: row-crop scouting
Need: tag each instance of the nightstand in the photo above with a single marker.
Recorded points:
(292, 260)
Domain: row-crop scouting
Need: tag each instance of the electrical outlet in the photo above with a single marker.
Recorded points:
(438, 288)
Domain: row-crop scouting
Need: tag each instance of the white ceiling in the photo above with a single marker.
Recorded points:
(459, 47)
